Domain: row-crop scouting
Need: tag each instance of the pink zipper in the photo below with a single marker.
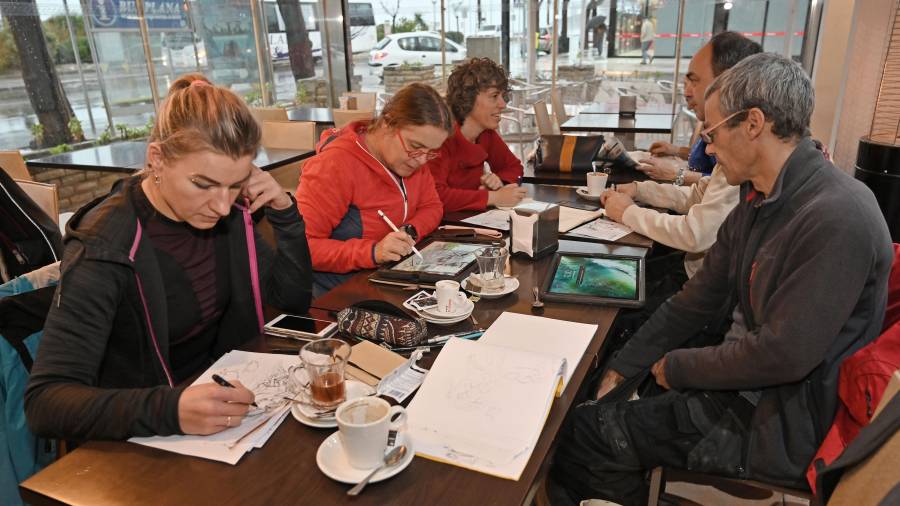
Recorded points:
(140, 287)
(254, 269)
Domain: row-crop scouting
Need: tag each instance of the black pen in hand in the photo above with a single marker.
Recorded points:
(224, 382)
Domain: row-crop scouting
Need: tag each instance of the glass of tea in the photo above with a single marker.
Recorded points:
(324, 361)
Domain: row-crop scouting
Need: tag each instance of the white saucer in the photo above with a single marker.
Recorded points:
(305, 414)
(332, 461)
(434, 313)
(511, 285)
(582, 192)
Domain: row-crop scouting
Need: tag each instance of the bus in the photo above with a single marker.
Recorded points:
(362, 28)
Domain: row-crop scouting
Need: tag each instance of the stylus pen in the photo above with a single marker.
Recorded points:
(225, 383)
(394, 228)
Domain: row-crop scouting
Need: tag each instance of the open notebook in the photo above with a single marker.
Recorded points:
(483, 405)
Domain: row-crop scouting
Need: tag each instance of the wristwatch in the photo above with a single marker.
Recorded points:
(410, 231)
(679, 177)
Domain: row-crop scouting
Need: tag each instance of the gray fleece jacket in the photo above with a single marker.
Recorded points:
(807, 268)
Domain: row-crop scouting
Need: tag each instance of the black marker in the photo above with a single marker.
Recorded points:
(224, 382)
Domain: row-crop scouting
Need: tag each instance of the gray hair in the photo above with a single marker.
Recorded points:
(772, 83)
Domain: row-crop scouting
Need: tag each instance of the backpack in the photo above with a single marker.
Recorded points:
(24, 303)
(29, 239)
(863, 379)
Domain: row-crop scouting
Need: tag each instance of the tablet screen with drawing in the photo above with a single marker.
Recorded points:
(441, 260)
(602, 279)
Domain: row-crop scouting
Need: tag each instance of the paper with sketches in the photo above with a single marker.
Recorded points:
(483, 407)
(263, 373)
(569, 217)
(565, 339)
(603, 229)
(495, 218)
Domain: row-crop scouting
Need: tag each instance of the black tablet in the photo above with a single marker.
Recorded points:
(440, 260)
(613, 280)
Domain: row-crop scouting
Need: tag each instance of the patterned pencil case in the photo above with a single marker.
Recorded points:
(378, 321)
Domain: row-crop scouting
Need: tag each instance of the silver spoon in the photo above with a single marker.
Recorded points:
(537, 304)
(394, 456)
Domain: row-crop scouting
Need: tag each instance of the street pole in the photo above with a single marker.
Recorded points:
(443, 48)
(554, 49)
(148, 55)
(89, 32)
(84, 89)
(504, 34)
(679, 36)
(529, 40)
(260, 58)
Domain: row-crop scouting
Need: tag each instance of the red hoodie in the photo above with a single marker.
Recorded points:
(457, 173)
(340, 192)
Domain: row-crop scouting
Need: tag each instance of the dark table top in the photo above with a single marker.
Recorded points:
(613, 108)
(316, 114)
(641, 123)
(128, 157)
(284, 470)
(617, 176)
(557, 195)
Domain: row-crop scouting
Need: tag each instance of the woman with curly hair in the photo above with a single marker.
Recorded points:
(477, 92)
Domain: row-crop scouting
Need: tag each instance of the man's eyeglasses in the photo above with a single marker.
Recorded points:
(706, 134)
(428, 154)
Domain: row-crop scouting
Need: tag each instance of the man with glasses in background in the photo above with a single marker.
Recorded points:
(801, 264)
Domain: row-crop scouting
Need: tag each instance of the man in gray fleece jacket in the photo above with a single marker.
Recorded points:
(801, 264)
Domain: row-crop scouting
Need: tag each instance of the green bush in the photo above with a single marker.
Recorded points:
(62, 148)
(457, 37)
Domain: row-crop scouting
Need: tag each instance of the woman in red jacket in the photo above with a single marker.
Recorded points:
(370, 166)
(476, 93)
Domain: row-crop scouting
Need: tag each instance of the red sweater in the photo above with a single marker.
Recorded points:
(340, 192)
(457, 173)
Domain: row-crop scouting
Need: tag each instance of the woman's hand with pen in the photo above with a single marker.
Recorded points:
(393, 247)
(209, 408)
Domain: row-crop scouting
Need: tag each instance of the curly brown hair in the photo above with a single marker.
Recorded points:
(471, 78)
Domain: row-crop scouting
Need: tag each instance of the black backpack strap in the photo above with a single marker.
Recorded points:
(22, 315)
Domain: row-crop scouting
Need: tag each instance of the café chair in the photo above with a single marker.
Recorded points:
(14, 165)
(744, 489)
(559, 108)
(343, 117)
(269, 114)
(545, 125)
(44, 195)
(288, 135)
(364, 101)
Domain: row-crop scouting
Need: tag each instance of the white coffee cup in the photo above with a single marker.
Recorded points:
(364, 424)
(596, 182)
(448, 296)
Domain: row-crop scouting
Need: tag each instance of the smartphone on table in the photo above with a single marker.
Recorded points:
(302, 328)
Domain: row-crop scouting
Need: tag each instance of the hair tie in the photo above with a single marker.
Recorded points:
(199, 83)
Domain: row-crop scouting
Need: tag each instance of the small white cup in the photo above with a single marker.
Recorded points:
(596, 182)
(364, 424)
(449, 298)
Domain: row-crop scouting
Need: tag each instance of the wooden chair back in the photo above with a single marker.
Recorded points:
(344, 117)
(289, 134)
(44, 195)
(14, 165)
(364, 100)
(269, 114)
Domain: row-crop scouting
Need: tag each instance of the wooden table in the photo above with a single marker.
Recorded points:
(641, 123)
(128, 157)
(557, 195)
(284, 470)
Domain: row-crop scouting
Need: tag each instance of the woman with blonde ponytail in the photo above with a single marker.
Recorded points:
(165, 274)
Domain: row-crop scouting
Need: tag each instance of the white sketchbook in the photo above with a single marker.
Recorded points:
(603, 229)
(483, 407)
(267, 376)
(569, 217)
(560, 338)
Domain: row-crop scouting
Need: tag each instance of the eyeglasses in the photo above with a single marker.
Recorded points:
(429, 154)
(706, 134)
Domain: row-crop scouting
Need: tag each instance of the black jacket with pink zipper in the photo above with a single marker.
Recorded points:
(102, 368)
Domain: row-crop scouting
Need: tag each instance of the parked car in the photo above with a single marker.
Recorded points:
(413, 47)
(545, 41)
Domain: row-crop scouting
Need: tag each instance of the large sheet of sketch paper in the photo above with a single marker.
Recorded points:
(569, 217)
(565, 339)
(267, 376)
(483, 407)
